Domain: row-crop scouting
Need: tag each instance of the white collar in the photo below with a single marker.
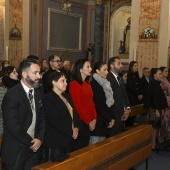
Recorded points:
(26, 88)
(114, 75)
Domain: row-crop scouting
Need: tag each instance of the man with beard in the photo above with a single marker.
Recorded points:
(23, 120)
(120, 108)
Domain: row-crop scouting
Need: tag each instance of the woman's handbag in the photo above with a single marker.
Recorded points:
(153, 119)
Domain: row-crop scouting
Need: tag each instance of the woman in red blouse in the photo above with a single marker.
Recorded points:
(82, 97)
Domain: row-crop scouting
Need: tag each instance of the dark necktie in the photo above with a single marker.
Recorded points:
(31, 98)
(119, 80)
(121, 86)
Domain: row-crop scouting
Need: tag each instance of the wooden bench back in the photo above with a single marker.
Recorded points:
(138, 110)
(119, 152)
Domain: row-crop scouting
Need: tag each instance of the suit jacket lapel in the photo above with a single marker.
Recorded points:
(25, 98)
(63, 104)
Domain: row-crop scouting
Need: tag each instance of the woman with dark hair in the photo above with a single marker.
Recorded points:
(82, 96)
(10, 77)
(123, 74)
(9, 80)
(156, 102)
(103, 100)
(134, 89)
(44, 66)
(62, 122)
(165, 126)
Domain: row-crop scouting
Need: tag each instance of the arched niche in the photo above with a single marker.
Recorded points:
(118, 22)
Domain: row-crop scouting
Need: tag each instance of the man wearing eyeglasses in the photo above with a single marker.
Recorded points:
(54, 65)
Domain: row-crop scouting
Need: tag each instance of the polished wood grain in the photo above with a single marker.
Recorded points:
(119, 152)
(138, 110)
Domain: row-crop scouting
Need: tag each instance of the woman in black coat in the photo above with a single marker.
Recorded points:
(134, 84)
(134, 89)
(103, 100)
(156, 101)
(62, 121)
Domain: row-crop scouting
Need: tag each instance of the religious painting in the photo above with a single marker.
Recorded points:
(148, 33)
(64, 31)
(15, 34)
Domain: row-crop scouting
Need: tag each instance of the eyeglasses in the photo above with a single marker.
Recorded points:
(57, 61)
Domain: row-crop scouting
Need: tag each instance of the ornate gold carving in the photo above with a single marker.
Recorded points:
(34, 4)
(98, 1)
(150, 9)
(15, 33)
(2, 2)
(148, 33)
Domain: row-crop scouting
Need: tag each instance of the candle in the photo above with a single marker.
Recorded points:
(134, 54)
(7, 53)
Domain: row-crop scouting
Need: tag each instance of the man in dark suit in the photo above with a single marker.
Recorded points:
(145, 80)
(54, 62)
(120, 107)
(24, 123)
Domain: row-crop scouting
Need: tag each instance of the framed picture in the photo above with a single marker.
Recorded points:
(148, 33)
(64, 31)
(15, 33)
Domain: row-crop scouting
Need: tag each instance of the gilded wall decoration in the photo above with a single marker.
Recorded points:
(1, 32)
(15, 18)
(34, 6)
(148, 33)
(149, 20)
(116, 3)
(15, 33)
(2, 2)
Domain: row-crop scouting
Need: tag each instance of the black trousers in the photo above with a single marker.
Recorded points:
(84, 136)
(25, 160)
(57, 154)
(117, 128)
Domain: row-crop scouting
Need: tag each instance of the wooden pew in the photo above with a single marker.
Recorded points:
(120, 152)
(138, 110)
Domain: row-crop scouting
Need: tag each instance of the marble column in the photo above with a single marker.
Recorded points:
(98, 31)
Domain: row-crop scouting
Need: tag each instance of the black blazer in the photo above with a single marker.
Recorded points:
(134, 88)
(58, 131)
(17, 116)
(155, 96)
(103, 111)
(119, 95)
(144, 85)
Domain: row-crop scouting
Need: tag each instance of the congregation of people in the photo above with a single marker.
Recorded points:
(53, 107)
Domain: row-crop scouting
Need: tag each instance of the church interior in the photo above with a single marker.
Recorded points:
(134, 30)
(46, 28)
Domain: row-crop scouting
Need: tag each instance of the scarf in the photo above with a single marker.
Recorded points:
(8, 82)
(106, 87)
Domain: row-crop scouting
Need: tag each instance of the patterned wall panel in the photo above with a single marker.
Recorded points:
(147, 53)
(1, 32)
(15, 18)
